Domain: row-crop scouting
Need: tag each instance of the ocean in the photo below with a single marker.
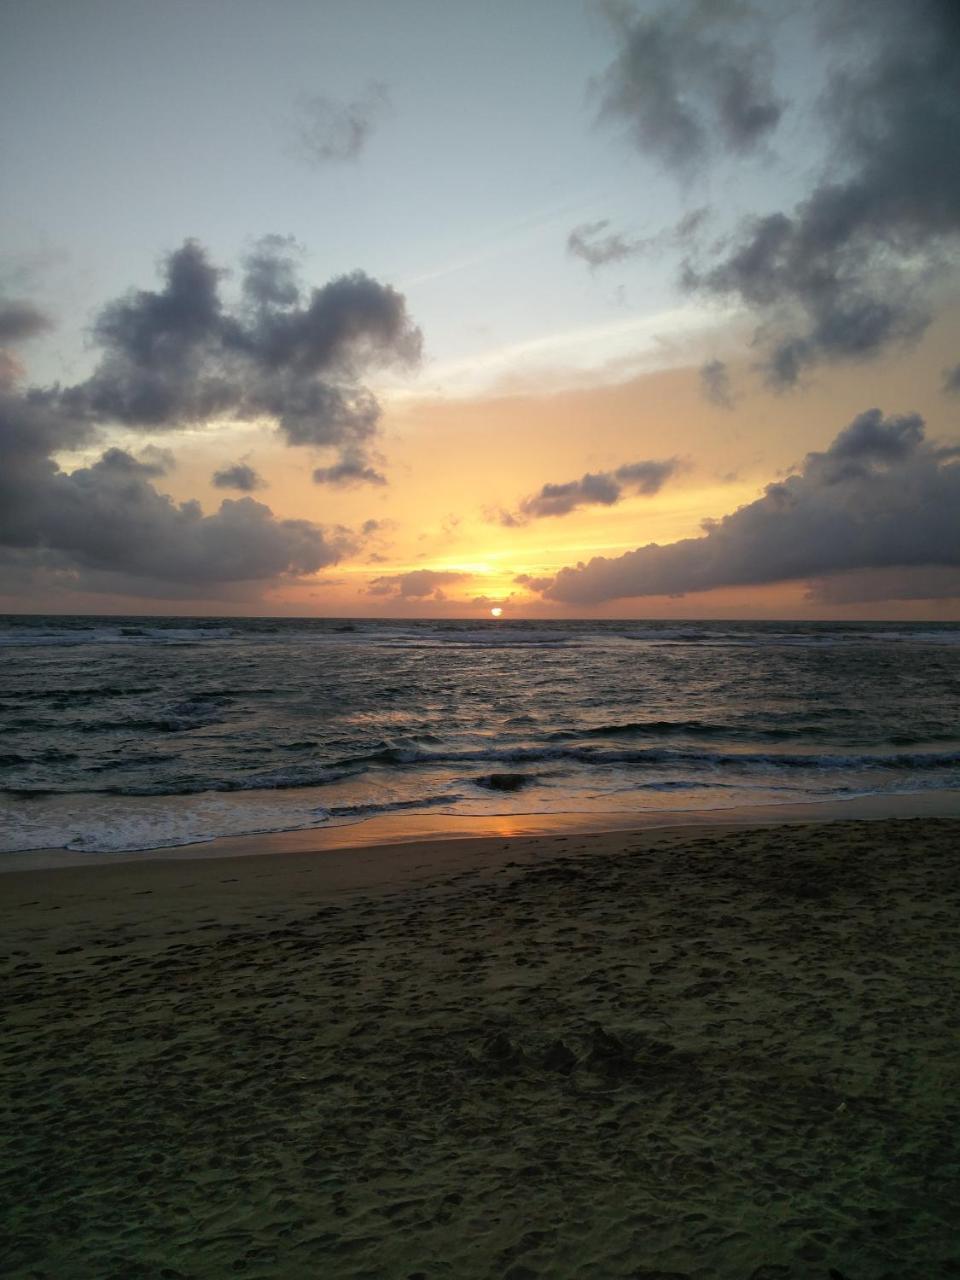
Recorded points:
(123, 734)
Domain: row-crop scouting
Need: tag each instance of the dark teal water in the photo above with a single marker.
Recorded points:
(127, 733)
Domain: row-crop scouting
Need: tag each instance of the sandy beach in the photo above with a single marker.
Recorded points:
(702, 1052)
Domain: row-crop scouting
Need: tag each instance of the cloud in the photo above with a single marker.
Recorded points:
(21, 271)
(168, 358)
(870, 586)
(11, 370)
(161, 460)
(604, 488)
(20, 320)
(870, 439)
(238, 476)
(492, 602)
(417, 584)
(150, 463)
(108, 519)
(688, 81)
(270, 272)
(532, 583)
(500, 515)
(330, 132)
(181, 356)
(880, 497)
(715, 384)
(951, 381)
(851, 269)
(588, 241)
(349, 471)
(647, 477)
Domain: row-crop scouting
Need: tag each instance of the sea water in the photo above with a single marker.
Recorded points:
(133, 733)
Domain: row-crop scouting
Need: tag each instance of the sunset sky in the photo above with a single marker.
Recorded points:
(424, 307)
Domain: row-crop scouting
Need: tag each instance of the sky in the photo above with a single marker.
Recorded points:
(426, 308)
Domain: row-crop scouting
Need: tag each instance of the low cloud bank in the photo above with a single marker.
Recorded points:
(881, 497)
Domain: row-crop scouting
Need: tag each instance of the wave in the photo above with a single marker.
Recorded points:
(653, 729)
(743, 732)
(177, 720)
(655, 755)
(755, 764)
(390, 806)
(28, 636)
(77, 694)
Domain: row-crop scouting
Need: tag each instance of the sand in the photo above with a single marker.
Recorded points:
(695, 1052)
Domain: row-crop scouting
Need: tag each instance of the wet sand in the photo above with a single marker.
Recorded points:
(704, 1052)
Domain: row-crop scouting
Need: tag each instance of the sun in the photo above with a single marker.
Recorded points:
(496, 611)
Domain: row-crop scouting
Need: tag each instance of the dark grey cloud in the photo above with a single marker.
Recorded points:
(604, 488)
(598, 247)
(418, 584)
(560, 499)
(715, 384)
(881, 497)
(347, 472)
(41, 574)
(689, 80)
(181, 355)
(119, 462)
(873, 586)
(32, 425)
(647, 477)
(329, 131)
(850, 271)
(238, 476)
(107, 518)
(20, 320)
(951, 381)
(270, 272)
(869, 441)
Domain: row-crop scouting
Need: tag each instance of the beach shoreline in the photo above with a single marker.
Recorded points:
(387, 831)
(695, 1051)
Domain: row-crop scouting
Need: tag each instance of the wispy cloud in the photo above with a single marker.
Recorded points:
(715, 384)
(613, 350)
(329, 131)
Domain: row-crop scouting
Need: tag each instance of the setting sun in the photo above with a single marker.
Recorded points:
(496, 611)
